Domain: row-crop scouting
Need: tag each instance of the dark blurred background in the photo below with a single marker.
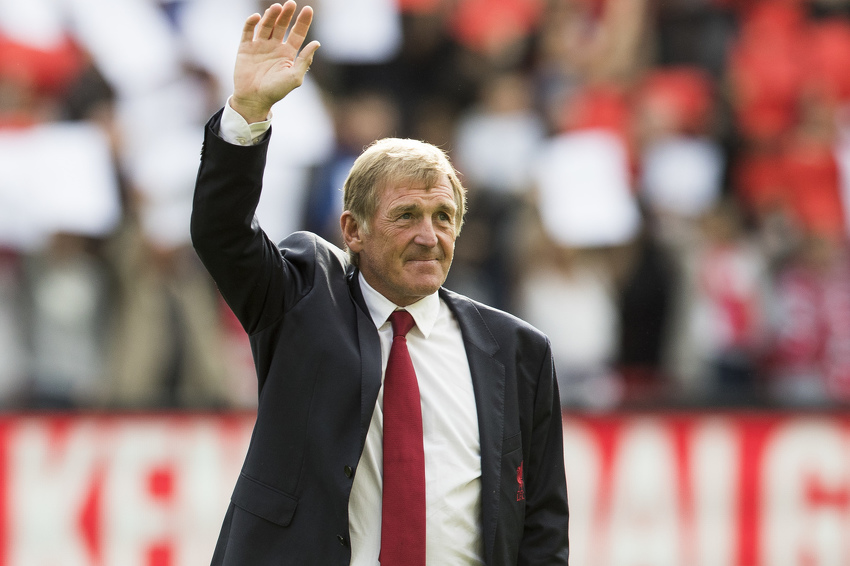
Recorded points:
(662, 186)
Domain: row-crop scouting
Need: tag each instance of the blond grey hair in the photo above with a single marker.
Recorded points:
(395, 159)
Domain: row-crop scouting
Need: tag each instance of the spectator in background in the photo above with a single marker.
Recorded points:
(714, 312)
(810, 365)
(67, 318)
(496, 142)
(165, 334)
(587, 209)
(719, 326)
(571, 294)
(359, 119)
(12, 370)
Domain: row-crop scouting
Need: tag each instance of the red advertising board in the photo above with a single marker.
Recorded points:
(709, 490)
(116, 490)
(695, 489)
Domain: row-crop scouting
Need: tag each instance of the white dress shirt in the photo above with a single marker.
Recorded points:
(449, 423)
(450, 439)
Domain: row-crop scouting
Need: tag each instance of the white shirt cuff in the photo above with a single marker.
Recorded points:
(236, 130)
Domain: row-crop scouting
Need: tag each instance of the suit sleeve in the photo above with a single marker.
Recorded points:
(545, 540)
(250, 271)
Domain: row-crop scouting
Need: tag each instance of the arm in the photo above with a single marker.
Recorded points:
(248, 268)
(545, 541)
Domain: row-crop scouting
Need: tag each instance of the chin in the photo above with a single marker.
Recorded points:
(421, 288)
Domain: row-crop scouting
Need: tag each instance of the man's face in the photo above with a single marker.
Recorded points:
(408, 248)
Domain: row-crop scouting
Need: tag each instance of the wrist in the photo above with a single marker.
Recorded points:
(251, 111)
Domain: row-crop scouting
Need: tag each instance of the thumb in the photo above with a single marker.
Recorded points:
(305, 58)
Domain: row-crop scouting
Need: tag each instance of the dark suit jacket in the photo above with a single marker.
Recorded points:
(318, 363)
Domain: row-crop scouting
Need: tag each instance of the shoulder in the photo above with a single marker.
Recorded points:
(505, 328)
(308, 243)
(311, 251)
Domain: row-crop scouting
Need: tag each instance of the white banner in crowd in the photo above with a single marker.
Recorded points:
(645, 490)
(56, 178)
(584, 185)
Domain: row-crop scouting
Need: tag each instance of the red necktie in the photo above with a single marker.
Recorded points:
(403, 519)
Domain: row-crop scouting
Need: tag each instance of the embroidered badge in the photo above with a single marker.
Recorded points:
(520, 493)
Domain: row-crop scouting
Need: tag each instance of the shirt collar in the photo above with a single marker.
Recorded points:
(424, 311)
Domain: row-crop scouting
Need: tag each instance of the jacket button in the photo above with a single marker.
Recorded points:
(342, 540)
(348, 471)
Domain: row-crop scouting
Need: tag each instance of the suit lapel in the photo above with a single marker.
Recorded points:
(370, 356)
(488, 382)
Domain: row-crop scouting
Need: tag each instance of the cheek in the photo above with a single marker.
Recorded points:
(447, 241)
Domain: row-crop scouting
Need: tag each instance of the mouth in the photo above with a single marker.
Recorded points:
(424, 260)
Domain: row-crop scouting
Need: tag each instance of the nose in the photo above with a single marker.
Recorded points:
(425, 234)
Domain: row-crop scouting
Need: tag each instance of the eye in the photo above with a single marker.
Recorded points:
(406, 216)
(444, 217)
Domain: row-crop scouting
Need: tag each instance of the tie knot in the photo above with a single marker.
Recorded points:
(402, 322)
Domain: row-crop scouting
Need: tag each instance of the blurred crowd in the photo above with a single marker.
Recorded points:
(662, 186)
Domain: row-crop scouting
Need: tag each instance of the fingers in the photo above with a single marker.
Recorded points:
(279, 30)
(301, 27)
(268, 21)
(249, 27)
(275, 21)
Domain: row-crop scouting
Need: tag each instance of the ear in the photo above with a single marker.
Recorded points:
(351, 232)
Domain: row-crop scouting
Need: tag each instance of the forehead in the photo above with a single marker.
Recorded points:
(397, 191)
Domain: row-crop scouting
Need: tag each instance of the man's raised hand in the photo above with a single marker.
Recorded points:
(267, 67)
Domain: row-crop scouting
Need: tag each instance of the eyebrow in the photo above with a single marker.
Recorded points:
(450, 207)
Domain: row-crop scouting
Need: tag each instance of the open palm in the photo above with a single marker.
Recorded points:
(267, 67)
